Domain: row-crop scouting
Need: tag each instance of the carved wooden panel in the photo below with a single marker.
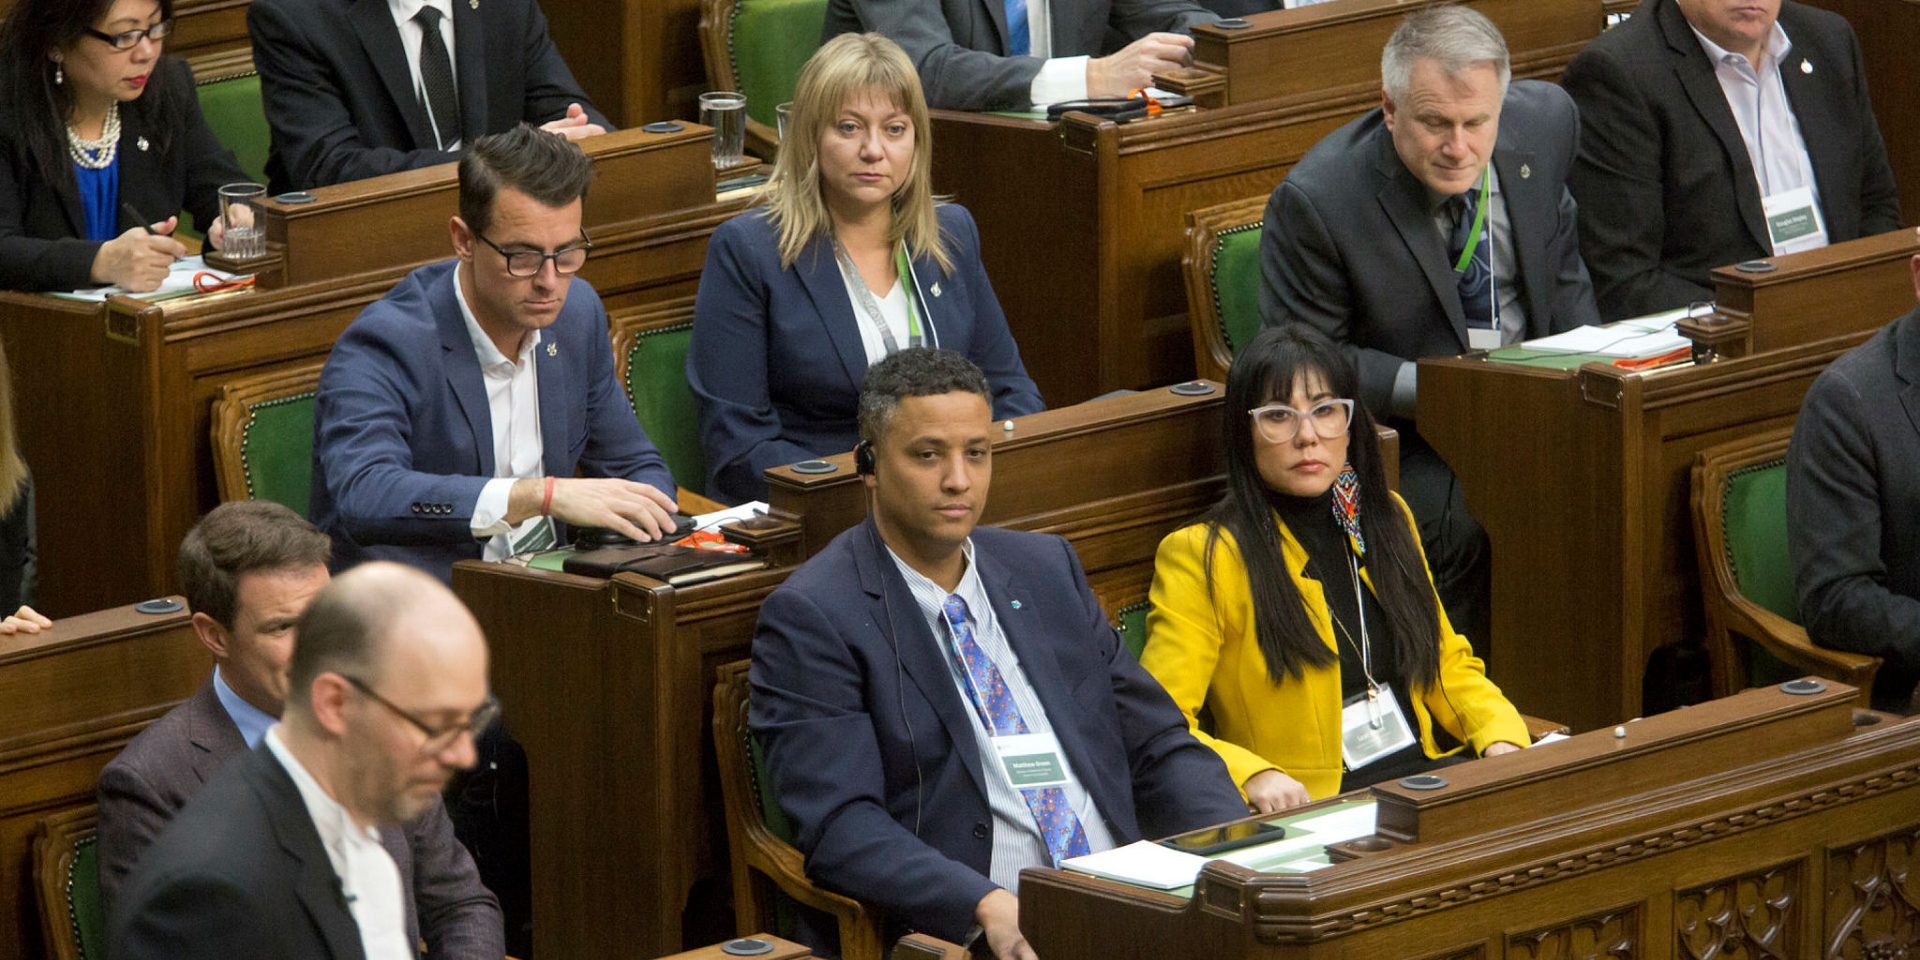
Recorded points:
(1873, 899)
(1476, 952)
(1750, 917)
(1613, 935)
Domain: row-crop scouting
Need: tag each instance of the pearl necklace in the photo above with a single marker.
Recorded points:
(97, 154)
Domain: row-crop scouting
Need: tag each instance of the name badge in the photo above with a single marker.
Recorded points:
(1793, 221)
(1030, 760)
(1483, 338)
(1371, 729)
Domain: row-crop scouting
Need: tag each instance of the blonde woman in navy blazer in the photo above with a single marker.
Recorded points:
(780, 345)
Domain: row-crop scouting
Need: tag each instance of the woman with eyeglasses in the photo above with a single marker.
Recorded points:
(101, 144)
(1299, 614)
(848, 258)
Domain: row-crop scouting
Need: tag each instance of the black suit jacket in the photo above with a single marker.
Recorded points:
(239, 873)
(339, 93)
(1665, 186)
(43, 243)
(146, 786)
(1853, 491)
(1349, 245)
(872, 749)
(960, 46)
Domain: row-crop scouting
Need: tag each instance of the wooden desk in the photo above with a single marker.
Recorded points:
(1833, 291)
(782, 950)
(113, 400)
(74, 696)
(608, 683)
(1580, 479)
(1762, 825)
(1088, 268)
(637, 60)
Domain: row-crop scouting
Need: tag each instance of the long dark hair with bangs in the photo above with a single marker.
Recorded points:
(32, 30)
(1263, 372)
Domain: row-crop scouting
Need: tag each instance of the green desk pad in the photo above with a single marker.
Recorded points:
(1549, 359)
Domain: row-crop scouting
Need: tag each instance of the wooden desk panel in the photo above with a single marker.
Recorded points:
(1889, 33)
(638, 60)
(74, 696)
(1671, 843)
(1833, 291)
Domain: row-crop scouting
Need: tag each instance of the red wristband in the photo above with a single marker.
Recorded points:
(546, 502)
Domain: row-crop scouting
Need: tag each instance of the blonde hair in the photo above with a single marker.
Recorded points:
(839, 70)
(13, 470)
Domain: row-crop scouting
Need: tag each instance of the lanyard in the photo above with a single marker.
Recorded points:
(864, 297)
(1479, 223)
(1365, 646)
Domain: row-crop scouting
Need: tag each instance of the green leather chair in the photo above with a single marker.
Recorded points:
(650, 346)
(263, 436)
(66, 867)
(757, 47)
(1133, 626)
(1754, 636)
(233, 110)
(1222, 272)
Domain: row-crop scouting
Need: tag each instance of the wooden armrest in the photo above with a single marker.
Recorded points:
(1788, 642)
(1537, 728)
(919, 946)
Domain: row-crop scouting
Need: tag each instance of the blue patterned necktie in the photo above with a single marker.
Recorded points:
(1018, 42)
(1059, 827)
(1476, 281)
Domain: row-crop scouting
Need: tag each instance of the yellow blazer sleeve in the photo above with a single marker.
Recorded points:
(1185, 631)
(1465, 702)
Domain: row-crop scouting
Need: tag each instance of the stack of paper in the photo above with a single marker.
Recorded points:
(179, 282)
(1648, 336)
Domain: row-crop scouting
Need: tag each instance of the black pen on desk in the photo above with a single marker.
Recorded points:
(126, 207)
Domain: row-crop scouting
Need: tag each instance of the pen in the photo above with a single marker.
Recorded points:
(126, 207)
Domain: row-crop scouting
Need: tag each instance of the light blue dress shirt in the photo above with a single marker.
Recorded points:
(252, 721)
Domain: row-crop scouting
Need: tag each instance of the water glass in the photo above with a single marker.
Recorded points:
(726, 113)
(780, 114)
(242, 236)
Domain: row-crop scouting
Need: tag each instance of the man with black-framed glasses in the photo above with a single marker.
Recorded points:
(280, 855)
(455, 412)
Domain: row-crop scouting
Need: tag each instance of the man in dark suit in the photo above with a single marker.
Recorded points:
(453, 413)
(893, 671)
(358, 88)
(249, 569)
(1853, 489)
(1673, 180)
(1439, 223)
(1021, 54)
(280, 854)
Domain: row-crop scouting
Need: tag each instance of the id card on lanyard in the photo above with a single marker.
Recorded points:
(1793, 221)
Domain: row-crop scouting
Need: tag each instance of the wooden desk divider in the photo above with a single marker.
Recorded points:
(74, 696)
(1761, 825)
(608, 683)
(1847, 288)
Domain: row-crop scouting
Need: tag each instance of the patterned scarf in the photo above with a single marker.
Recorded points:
(1346, 505)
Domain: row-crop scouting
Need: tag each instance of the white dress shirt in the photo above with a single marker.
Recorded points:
(1767, 122)
(1017, 843)
(1060, 79)
(369, 879)
(410, 35)
(513, 406)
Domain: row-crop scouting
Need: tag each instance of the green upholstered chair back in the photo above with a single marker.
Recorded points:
(1753, 515)
(769, 41)
(84, 906)
(1133, 626)
(233, 110)
(776, 819)
(276, 450)
(1236, 284)
(656, 381)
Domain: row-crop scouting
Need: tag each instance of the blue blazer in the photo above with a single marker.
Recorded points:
(776, 361)
(871, 748)
(403, 437)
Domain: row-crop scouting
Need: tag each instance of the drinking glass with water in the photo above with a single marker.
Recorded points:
(242, 236)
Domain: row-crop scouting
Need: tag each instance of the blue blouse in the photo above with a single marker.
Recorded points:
(100, 199)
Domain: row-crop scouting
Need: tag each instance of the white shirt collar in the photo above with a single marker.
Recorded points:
(483, 347)
(1777, 47)
(405, 10)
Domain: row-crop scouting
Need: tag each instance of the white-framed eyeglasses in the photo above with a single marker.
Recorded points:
(1279, 423)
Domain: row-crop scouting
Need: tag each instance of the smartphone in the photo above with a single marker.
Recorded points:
(1207, 843)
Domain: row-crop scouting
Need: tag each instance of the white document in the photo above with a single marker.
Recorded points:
(1345, 822)
(178, 283)
(721, 518)
(1551, 738)
(1617, 340)
(1142, 862)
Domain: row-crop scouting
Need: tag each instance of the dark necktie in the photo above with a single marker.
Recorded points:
(1476, 280)
(436, 74)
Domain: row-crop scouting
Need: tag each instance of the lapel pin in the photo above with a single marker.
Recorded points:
(473, 4)
(936, 288)
(1015, 604)
(1806, 66)
(1525, 171)
(553, 349)
(141, 142)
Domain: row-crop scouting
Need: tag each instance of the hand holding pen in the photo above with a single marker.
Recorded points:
(138, 260)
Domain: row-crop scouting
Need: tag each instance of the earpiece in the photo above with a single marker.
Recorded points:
(863, 458)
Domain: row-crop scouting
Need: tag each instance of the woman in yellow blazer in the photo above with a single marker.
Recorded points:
(1313, 685)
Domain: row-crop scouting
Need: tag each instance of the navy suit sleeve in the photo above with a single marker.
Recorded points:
(617, 446)
(992, 348)
(363, 431)
(550, 85)
(1137, 18)
(728, 362)
(1178, 783)
(313, 131)
(132, 813)
(459, 917)
(809, 709)
(1618, 181)
(1834, 527)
